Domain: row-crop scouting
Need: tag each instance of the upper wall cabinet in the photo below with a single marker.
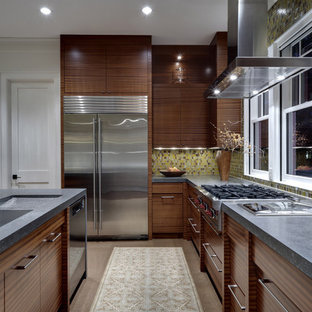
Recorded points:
(104, 65)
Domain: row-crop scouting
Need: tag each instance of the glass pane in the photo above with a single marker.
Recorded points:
(306, 86)
(261, 145)
(306, 44)
(299, 142)
(295, 91)
(265, 103)
(295, 50)
(259, 106)
(286, 51)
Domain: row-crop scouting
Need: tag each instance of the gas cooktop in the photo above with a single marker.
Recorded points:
(242, 191)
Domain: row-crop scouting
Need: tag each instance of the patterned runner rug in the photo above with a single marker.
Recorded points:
(145, 280)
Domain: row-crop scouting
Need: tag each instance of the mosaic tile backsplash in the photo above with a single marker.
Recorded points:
(197, 162)
(279, 23)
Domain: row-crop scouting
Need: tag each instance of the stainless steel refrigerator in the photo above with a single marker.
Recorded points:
(105, 151)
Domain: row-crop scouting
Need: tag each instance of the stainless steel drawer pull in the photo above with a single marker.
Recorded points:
(236, 299)
(191, 201)
(193, 226)
(211, 226)
(52, 240)
(167, 197)
(265, 281)
(32, 258)
(211, 256)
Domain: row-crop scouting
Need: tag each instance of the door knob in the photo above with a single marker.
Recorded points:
(15, 177)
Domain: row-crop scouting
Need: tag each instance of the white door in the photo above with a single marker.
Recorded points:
(33, 135)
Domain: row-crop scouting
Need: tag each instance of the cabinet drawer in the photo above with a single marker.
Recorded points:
(213, 264)
(167, 188)
(215, 240)
(195, 232)
(22, 284)
(285, 281)
(238, 298)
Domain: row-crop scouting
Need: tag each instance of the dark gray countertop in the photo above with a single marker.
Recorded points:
(42, 210)
(289, 236)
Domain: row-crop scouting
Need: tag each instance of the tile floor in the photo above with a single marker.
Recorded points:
(99, 253)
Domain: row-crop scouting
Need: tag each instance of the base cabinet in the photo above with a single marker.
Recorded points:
(31, 277)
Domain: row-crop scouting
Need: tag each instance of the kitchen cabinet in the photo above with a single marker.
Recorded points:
(257, 279)
(212, 252)
(167, 209)
(193, 218)
(105, 65)
(34, 270)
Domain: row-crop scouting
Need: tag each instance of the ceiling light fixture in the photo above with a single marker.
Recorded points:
(147, 10)
(45, 11)
(216, 91)
(179, 57)
(282, 11)
(255, 92)
(233, 77)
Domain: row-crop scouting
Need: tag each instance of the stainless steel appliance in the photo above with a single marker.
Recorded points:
(105, 151)
(282, 208)
(78, 245)
(218, 194)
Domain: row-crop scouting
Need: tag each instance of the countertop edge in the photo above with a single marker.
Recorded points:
(301, 263)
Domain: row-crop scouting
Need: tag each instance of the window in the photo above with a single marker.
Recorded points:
(259, 113)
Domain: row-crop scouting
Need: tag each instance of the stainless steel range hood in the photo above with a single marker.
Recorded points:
(250, 70)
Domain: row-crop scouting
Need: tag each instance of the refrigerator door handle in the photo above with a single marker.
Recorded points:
(94, 173)
(100, 172)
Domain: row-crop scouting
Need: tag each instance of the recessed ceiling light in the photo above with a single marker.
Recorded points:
(179, 57)
(233, 77)
(280, 77)
(45, 11)
(147, 10)
(216, 91)
(255, 92)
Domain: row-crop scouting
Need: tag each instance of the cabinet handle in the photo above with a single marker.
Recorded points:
(211, 226)
(24, 267)
(193, 226)
(190, 200)
(236, 299)
(265, 281)
(52, 240)
(167, 197)
(211, 256)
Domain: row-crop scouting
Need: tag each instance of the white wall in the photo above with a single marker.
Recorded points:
(27, 60)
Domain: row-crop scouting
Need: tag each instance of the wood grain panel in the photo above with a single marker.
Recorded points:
(22, 287)
(216, 241)
(167, 188)
(2, 292)
(51, 271)
(294, 284)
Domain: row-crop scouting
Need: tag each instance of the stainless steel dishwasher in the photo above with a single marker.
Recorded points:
(78, 245)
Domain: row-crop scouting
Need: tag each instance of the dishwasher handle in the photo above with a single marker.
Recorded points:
(77, 206)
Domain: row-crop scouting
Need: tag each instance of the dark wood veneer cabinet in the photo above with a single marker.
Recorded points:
(167, 209)
(105, 65)
(258, 279)
(33, 272)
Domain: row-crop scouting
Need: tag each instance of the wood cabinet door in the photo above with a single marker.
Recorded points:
(2, 292)
(127, 69)
(85, 66)
(51, 272)
(166, 116)
(22, 284)
(196, 129)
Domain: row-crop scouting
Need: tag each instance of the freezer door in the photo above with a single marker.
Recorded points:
(123, 176)
(80, 159)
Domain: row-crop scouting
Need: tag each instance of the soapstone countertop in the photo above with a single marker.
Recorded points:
(41, 210)
(289, 236)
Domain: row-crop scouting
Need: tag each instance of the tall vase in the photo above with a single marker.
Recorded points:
(223, 159)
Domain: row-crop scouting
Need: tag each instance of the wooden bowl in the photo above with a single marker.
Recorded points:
(167, 173)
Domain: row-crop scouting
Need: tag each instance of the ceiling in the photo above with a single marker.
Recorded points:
(171, 22)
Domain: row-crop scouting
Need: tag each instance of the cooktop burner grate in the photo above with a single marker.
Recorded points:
(241, 191)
